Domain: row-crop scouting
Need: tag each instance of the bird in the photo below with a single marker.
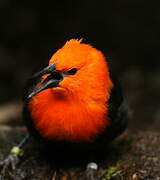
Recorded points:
(74, 103)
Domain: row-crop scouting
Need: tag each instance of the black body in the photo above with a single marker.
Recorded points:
(118, 113)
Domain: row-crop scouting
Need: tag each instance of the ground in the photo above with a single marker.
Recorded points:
(133, 156)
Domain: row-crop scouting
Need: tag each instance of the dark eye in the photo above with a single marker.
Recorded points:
(72, 71)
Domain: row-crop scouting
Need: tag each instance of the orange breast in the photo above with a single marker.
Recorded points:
(59, 118)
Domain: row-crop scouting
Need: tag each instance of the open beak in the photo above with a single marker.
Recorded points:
(51, 81)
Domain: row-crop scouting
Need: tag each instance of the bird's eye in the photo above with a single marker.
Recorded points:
(72, 71)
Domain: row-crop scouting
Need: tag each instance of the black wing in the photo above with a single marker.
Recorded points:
(118, 113)
(30, 86)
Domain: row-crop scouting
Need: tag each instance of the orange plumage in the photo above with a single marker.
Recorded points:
(76, 110)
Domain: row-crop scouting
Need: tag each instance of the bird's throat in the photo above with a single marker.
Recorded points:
(58, 118)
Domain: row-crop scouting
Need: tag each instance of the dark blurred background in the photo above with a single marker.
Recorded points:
(127, 31)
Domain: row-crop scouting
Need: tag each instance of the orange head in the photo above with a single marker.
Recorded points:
(70, 103)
